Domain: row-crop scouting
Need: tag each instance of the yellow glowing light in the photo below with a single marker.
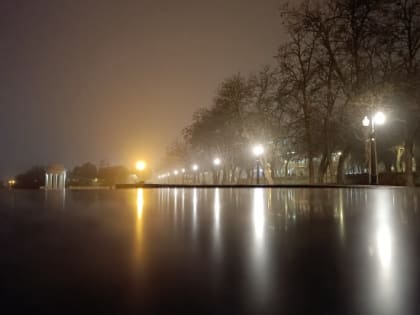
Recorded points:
(140, 165)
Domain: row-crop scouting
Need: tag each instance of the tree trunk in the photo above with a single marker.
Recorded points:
(322, 167)
(310, 154)
(249, 175)
(311, 168)
(237, 173)
(225, 176)
(286, 168)
(408, 158)
(267, 172)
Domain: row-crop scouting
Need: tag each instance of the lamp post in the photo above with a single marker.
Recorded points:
(195, 169)
(216, 163)
(183, 175)
(175, 176)
(258, 150)
(377, 119)
(140, 167)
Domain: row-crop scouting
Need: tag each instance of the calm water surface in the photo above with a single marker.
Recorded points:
(207, 251)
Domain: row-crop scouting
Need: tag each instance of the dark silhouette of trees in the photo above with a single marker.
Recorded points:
(84, 174)
(33, 178)
(342, 60)
(111, 175)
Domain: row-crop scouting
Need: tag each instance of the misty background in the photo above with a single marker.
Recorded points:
(118, 80)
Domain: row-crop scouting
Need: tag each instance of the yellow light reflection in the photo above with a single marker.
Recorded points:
(341, 215)
(138, 243)
(140, 203)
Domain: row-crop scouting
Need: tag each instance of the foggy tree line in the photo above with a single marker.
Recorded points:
(342, 60)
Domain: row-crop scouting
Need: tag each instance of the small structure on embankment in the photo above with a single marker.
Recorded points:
(55, 177)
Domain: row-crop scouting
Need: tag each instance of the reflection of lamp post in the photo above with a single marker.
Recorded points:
(216, 163)
(378, 119)
(258, 150)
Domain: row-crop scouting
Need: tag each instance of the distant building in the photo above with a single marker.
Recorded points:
(55, 177)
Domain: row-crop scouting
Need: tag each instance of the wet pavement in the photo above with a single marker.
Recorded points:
(208, 251)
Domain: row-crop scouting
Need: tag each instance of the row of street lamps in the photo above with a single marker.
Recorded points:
(258, 150)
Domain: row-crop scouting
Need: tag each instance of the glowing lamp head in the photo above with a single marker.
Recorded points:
(217, 161)
(183, 170)
(195, 167)
(176, 172)
(379, 118)
(366, 121)
(140, 165)
(258, 150)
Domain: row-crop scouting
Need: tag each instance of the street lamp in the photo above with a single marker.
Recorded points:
(195, 169)
(183, 175)
(140, 165)
(11, 183)
(258, 150)
(216, 163)
(377, 119)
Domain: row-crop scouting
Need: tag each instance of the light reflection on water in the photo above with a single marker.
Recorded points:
(138, 244)
(358, 246)
(274, 212)
(258, 216)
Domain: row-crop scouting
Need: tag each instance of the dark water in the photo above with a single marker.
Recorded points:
(207, 251)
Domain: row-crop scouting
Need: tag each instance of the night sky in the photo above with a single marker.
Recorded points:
(85, 80)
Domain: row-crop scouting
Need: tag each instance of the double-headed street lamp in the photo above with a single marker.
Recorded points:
(258, 150)
(377, 119)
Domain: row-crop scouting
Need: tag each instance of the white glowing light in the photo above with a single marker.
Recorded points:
(379, 118)
(366, 121)
(258, 150)
(217, 161)
(195, 167)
